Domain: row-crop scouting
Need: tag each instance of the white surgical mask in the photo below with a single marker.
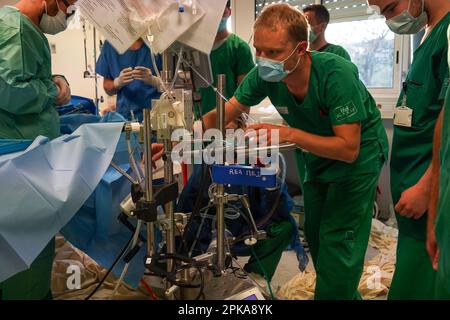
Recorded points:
(53, 25)
(405, 23)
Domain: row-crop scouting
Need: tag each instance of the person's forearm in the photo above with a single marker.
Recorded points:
(109, 87)
(333, 147)
(209, 119)
(434, 192)
(233, 109)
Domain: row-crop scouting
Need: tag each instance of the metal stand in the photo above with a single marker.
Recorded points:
(220, 196)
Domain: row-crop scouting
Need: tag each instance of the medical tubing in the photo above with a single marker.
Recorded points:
(266, 219)
(277, 201)
(155, 66)
(133, 163)
(196, 209)
(245, 272)
(125, 269)
(121, 254)
(175, 77)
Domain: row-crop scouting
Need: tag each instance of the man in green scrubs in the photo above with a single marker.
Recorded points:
(29, 96)
(333, 117)
(421, 101)
(230, 56)
(318, 18)
(438, 236)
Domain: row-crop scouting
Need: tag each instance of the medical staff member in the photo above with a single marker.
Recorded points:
(438, 236)
(416, 114)
(130, 76)
(318, 18)
(29, 97)
(333, 117)
(230, 56)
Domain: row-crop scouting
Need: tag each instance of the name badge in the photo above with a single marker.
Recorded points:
(403, 117)
(282, 110)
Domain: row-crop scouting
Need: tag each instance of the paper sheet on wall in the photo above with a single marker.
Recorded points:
(201, 35)
(111, 18)
(171, 25)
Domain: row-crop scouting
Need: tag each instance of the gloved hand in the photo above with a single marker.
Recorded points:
(125, 77)
(145, 75)
(64, 93)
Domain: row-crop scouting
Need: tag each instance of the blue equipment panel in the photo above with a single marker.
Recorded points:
(244, 176)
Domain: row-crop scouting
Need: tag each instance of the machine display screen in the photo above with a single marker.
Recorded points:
(252, 297)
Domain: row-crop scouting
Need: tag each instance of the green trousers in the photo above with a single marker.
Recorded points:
(268, 251)
(337, 228)
(414, 276)
(34, 283)
(441, 289)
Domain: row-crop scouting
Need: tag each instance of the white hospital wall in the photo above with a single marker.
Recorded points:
(68, 59)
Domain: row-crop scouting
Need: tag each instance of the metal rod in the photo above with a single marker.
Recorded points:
(95, 73)
(123, 172)
(168, 168)
(148, 174)
(220, 195)
(148, 156)
(169, 208)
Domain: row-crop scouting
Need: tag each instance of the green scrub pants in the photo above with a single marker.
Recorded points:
(441, 290)
(34, 283)
(337, 228)
(414, 276)
(268, 251)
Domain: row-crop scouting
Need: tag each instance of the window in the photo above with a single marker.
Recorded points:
(299, 4)
(371, 46)
(381, 56)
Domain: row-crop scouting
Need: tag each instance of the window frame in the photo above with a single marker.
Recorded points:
(244, 17)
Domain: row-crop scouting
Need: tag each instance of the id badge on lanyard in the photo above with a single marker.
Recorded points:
(403, 115)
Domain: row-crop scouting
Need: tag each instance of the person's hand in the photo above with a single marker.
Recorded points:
(64, 93)
(145, 75)
(157, 152)
(432, 247)
(413, 202)
(264, 131)
(125, 77)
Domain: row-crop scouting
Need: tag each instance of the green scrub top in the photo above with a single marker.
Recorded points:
(426, 86)
(443, 218)
(335, 96)
(232, 58)
(336, 49)
(27, 107)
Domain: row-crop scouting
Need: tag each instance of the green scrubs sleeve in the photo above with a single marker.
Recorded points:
(22, 92)
(343, 98)
(252, 89)
(244, 59)
(444, 74)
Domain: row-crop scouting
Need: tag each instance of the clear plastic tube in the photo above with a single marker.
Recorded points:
(125, 269)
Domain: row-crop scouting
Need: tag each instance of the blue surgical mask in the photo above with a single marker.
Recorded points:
(223, 25)
(272, 70)
(405, 23)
